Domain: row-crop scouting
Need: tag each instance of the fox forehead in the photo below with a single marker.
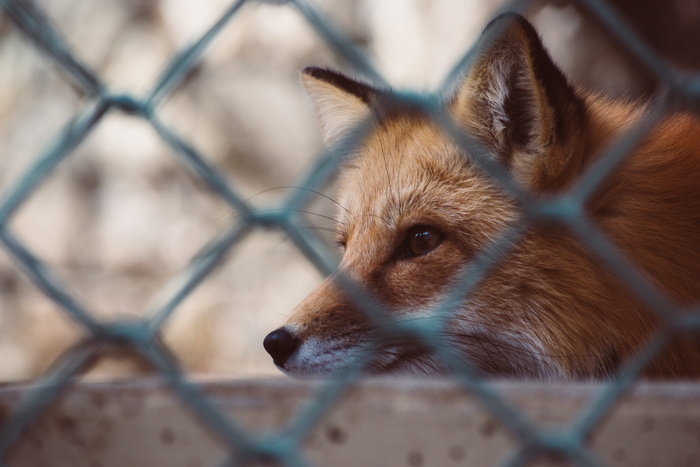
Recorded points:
(407, 172)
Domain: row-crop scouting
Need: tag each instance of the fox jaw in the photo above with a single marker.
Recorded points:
(415, 211)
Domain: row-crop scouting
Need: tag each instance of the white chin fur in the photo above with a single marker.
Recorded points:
(316, 358)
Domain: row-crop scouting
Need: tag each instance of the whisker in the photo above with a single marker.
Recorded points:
(490, 355)
(373, 215)
(284, 187)
(309, 227)
(302, 211)
(330, 218)
(515, 348)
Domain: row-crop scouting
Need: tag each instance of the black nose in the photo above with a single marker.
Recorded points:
(280, 344)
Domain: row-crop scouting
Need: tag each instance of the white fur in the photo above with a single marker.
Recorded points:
(338, 112)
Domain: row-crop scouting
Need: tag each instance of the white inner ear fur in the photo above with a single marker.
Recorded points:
(504, 74)
(338, 111)
(496, 97)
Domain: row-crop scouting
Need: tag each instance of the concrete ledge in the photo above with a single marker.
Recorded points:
(375, 423)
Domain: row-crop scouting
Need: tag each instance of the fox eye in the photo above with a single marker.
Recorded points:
(421, 240)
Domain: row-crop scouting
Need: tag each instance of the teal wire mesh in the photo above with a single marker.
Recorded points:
(141, 335)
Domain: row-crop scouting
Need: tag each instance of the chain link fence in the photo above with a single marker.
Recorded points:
(141, 335)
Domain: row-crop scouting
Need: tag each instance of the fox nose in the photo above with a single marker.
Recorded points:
(280, 344)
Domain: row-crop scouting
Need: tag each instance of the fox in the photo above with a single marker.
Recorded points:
(416, 211)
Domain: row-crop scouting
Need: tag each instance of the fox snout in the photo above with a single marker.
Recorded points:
(322, 333)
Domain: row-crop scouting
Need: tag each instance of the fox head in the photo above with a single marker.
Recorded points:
(415, 211)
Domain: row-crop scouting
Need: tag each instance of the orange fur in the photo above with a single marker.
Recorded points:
(550, 308)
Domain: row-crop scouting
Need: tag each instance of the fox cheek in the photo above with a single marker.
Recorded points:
(413, 289)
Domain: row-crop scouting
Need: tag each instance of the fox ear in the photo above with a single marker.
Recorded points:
(517, 102)
(340, 102)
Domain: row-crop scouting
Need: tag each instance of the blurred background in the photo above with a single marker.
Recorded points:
(122, 215)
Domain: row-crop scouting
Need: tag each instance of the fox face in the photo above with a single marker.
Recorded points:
(416, 212)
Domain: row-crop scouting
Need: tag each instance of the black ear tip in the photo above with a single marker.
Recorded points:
(508, 22)
(363, 91)
(324, 74)
(509, 17)
(313, 71)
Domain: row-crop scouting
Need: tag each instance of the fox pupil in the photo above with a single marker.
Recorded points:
(422, 240)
